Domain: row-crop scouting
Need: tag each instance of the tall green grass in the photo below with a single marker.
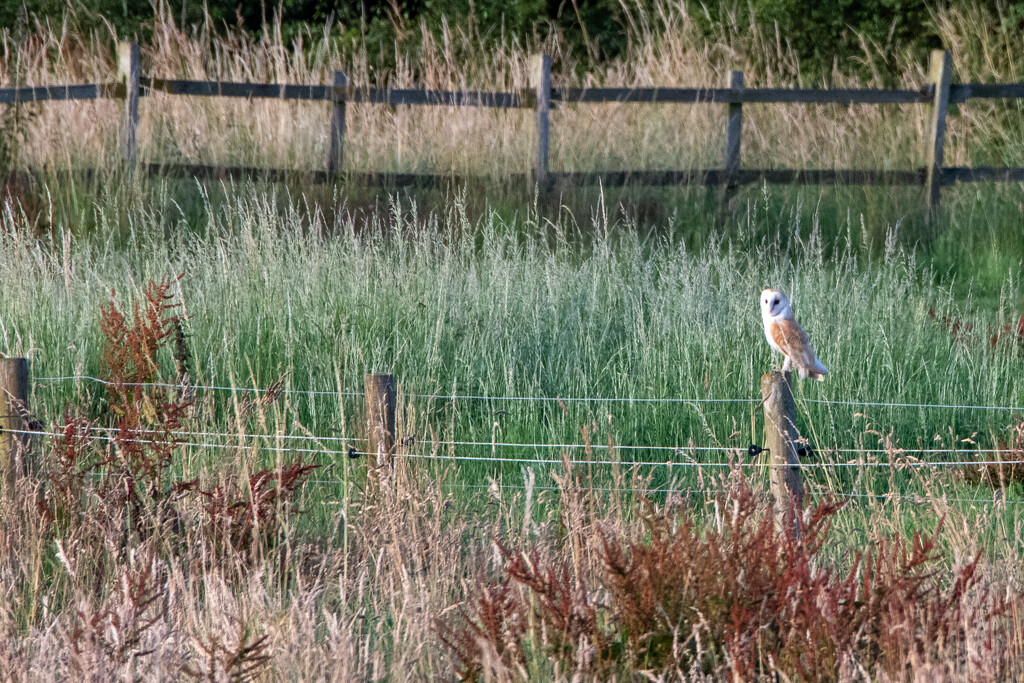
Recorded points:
(571, 308)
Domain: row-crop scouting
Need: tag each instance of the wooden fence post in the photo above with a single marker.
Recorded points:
(540, 81)
(380, 417)
(940, 73)
(734, 130)
(336, 160)
(780, 436)
(13, 411)
(129, 67)
(733, 135)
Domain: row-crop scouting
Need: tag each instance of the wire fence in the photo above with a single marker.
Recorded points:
(900, 458)
(178, 438)
(711, 493)
(536, 399)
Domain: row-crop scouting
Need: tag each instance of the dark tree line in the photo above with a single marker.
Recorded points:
(820, 32)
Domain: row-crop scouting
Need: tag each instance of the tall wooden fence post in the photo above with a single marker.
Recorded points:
(733, 135)
(13, 412)
(336, 160)
(780, 437)
(734, 129)
(129, 70)
(540, 81)
(940, 73)
(381, 396)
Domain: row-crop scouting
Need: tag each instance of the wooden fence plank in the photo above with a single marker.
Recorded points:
(306, 176)
(714, 176)
(335, 93)
(831, 176)
(478, 98)
(730, 96)
(540, 80)
(255, 173)
(336, 156)
(235, 89)
(982, 174)
(129, 69)
(940, 74)
(705, 177)
(961, 92)
(43, 93)
(443, 98)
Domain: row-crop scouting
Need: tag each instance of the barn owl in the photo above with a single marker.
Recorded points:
(785, 336)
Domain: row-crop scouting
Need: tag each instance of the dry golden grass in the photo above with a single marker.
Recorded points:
(364, 605)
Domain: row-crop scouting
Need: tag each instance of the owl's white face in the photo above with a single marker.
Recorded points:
(774, 305)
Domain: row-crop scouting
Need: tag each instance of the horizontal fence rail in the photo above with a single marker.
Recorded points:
(958, 93)
(44, 93)
(741, 96)
(541, 97)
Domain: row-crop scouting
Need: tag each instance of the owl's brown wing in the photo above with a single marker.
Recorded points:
(794, 343)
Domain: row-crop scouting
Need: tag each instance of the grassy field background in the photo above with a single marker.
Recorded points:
(495, 293)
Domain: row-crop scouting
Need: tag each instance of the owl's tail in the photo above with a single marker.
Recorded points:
(816, 371)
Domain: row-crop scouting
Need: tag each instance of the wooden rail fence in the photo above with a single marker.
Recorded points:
(938, 93)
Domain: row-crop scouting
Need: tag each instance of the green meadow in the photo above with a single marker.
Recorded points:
(578, 383)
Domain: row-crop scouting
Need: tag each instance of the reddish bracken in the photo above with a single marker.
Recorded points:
(1005, 468)
(123, 457)
(961, 331)
(114, 633)
(241, 515)
(129, 352)
(740, 600)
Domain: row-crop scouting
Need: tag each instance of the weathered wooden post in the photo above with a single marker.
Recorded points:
(540, 81)
(380, 417)
(733, 132)
(940, 73)
(733, 135)
(13, 412)
(129, 70)
(780, 437)
(336, 160)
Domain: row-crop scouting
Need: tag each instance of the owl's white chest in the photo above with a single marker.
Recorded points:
(768, 335)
